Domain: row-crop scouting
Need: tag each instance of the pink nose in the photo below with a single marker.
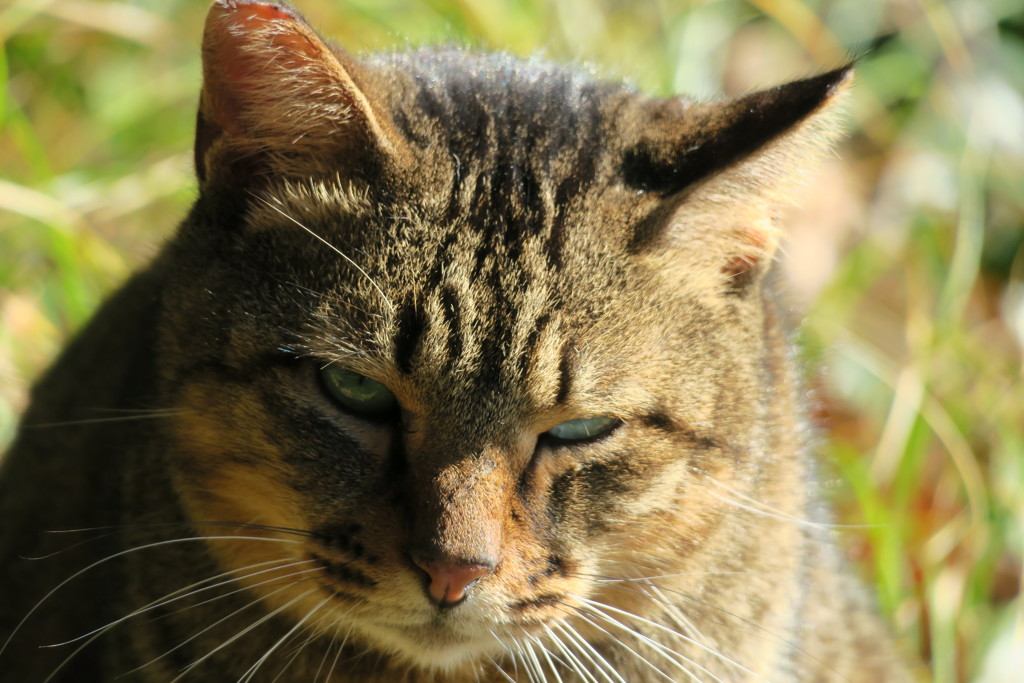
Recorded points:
(450, 578)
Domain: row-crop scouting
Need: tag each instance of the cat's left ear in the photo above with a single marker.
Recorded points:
(277, 100)
(726, 170)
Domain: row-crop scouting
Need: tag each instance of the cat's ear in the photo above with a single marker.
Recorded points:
(727, 169)
(278, 100)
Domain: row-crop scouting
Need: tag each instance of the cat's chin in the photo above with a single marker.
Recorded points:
(430, 647)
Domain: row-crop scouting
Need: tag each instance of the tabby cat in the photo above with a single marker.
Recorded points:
(461, 368)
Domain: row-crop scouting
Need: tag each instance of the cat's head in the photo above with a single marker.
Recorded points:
(472, 327)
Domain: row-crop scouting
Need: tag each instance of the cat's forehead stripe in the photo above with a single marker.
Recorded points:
(528, 360)
(565, 371)
(412, 325)
(453, 321)
(516, 340)
(517, 145)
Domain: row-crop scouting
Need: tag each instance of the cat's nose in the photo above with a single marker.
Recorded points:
(449, 578)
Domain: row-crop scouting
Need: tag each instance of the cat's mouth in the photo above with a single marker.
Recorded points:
(399, 618)
(441, 640)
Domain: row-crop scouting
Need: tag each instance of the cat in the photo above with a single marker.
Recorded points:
(461, 368)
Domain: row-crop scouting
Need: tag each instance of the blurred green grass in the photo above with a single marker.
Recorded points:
(908, 255)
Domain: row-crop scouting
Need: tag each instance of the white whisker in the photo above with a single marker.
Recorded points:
(166, 599)
(266, 617)
(581, 615)
(756, 507)
(331, 643)
(550, 661)
(210, 627)
(574, 663)
(670, 655)
(247, 676)
(678, 616)
(501, 670)
(271, 581)
(101, 420)
(653, 577)
(665, 629)
(122, 553)
(341, 648)
(591, 653)
(534, 669)
(314, 633)
(333, 248)
(752, 624)
(183, 593)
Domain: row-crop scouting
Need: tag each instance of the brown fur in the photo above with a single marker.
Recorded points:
(506, 246)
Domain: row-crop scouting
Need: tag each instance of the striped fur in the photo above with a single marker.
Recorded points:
(506, 245)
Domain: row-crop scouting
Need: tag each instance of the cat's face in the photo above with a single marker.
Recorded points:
(487, 350)
(472, 362)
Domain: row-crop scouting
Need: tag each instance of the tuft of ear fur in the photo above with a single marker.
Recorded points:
(733, 167)
(277, 99)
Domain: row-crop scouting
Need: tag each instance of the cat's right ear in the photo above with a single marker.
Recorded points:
(277, 100)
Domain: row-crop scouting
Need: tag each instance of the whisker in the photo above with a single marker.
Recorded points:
(315, 631)
(519, 656)
(584, 647)
(188, 640)
(549, 658)
(247, 629)
(267, 582)
(248, 675)
(185, 592)
(511, 655)
(333, 248)
(341, 648)
(758, 508)
(317, 294)
(531, 663)
(101, 420)
(574, 663)
(674, 658)
(114, 529)
(753, 624)
(618, 641)
(291, 660)
(673, 611)
(122, 553)
(571, 644)
(77, 544)
(501, 670)
(93, 635)
(605, 579)
(597, 610)
(327, 651)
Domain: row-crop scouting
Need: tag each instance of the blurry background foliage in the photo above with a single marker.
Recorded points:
(907, 255)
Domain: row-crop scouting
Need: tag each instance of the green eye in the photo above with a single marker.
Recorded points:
(358, 393)
(583, 429)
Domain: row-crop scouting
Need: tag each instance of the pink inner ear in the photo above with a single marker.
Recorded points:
(738, 265)
(757, 245)
(271, 84)
(241, 40)
(242, 26)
